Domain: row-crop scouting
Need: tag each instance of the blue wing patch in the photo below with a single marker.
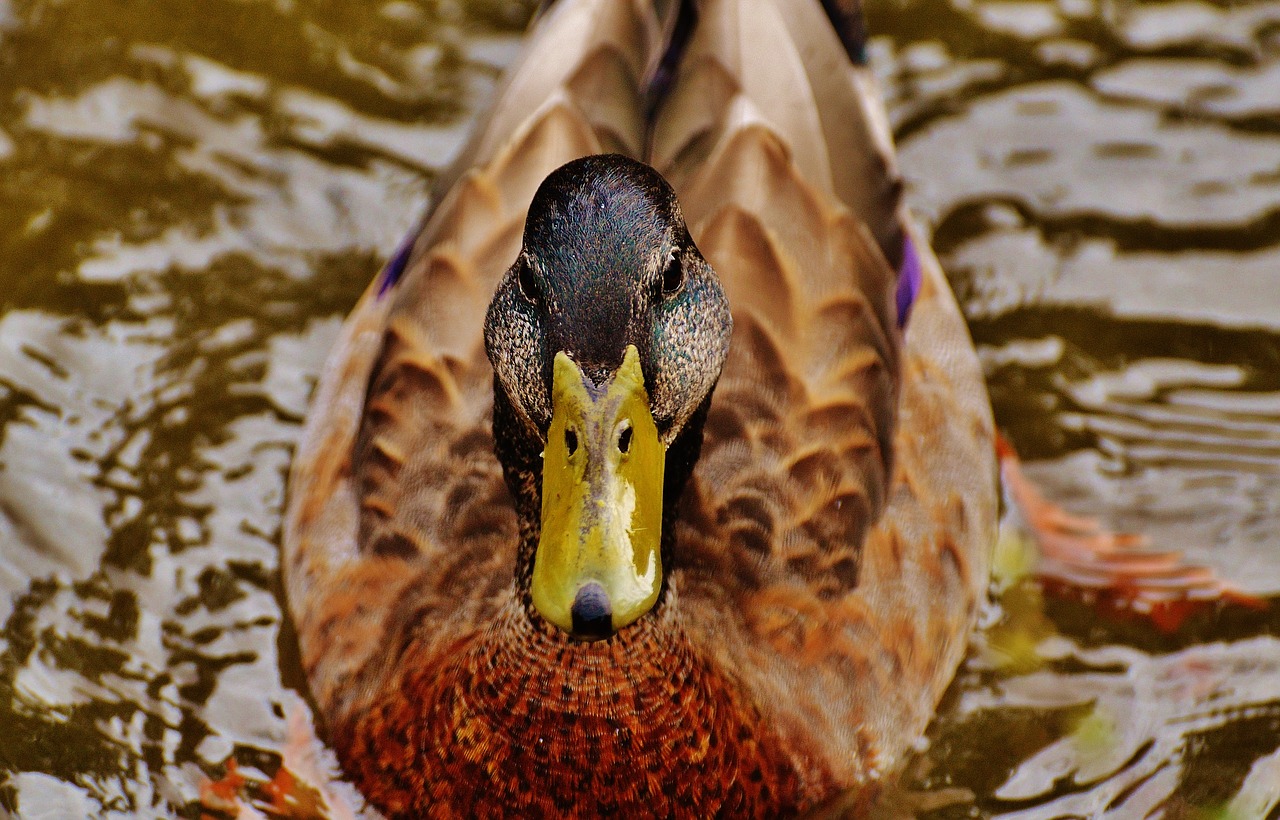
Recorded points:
(909, 277)
(395, 266)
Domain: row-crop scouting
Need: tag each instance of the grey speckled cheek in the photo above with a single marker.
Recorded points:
(690, 344)
(515, 347)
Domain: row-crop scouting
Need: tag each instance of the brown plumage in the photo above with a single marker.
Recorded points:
(822, 566)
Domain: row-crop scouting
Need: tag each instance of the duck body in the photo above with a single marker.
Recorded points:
(827, 488)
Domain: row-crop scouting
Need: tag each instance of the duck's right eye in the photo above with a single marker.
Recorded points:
(672, 276)
(528, 283)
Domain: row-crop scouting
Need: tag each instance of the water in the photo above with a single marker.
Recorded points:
(193, 194)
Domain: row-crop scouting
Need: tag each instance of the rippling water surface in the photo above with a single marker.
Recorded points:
(193, 194)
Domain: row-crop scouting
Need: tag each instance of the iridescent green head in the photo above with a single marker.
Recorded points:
(606, 337)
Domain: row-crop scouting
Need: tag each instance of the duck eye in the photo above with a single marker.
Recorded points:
(624, 440)
(672, 276)
(528, 283)
(571, 440)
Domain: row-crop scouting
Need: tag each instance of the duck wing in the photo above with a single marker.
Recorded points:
(833, 542)
(399, 523)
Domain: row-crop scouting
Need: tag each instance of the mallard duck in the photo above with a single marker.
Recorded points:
(655, 474)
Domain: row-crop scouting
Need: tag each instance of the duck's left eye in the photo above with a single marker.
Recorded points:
(672, 276)
(528, 283)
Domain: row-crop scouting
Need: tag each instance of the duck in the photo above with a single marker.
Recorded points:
(654, 474)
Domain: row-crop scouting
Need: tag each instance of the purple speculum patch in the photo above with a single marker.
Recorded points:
(395, 266)
(909, 276)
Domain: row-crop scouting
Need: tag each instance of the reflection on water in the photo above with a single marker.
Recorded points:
(1103, 180)
(193, 194)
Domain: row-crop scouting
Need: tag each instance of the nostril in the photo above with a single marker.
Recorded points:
(624, 440)
(592, 614)
(571, 440)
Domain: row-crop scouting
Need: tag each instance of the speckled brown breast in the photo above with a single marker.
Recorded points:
(534, 725)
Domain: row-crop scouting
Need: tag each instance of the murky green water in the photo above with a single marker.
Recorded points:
(193, 194)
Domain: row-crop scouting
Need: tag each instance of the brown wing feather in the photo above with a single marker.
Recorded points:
(837, 582)
(781, 64)
(398, 513)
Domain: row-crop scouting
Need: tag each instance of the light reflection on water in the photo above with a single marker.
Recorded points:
(192, 194)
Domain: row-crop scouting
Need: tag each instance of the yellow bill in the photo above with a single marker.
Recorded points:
(599, 562)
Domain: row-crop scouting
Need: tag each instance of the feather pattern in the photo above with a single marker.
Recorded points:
(857, 552)
(832, 545)
(409, 371)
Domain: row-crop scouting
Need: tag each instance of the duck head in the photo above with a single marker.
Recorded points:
(606, 337)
